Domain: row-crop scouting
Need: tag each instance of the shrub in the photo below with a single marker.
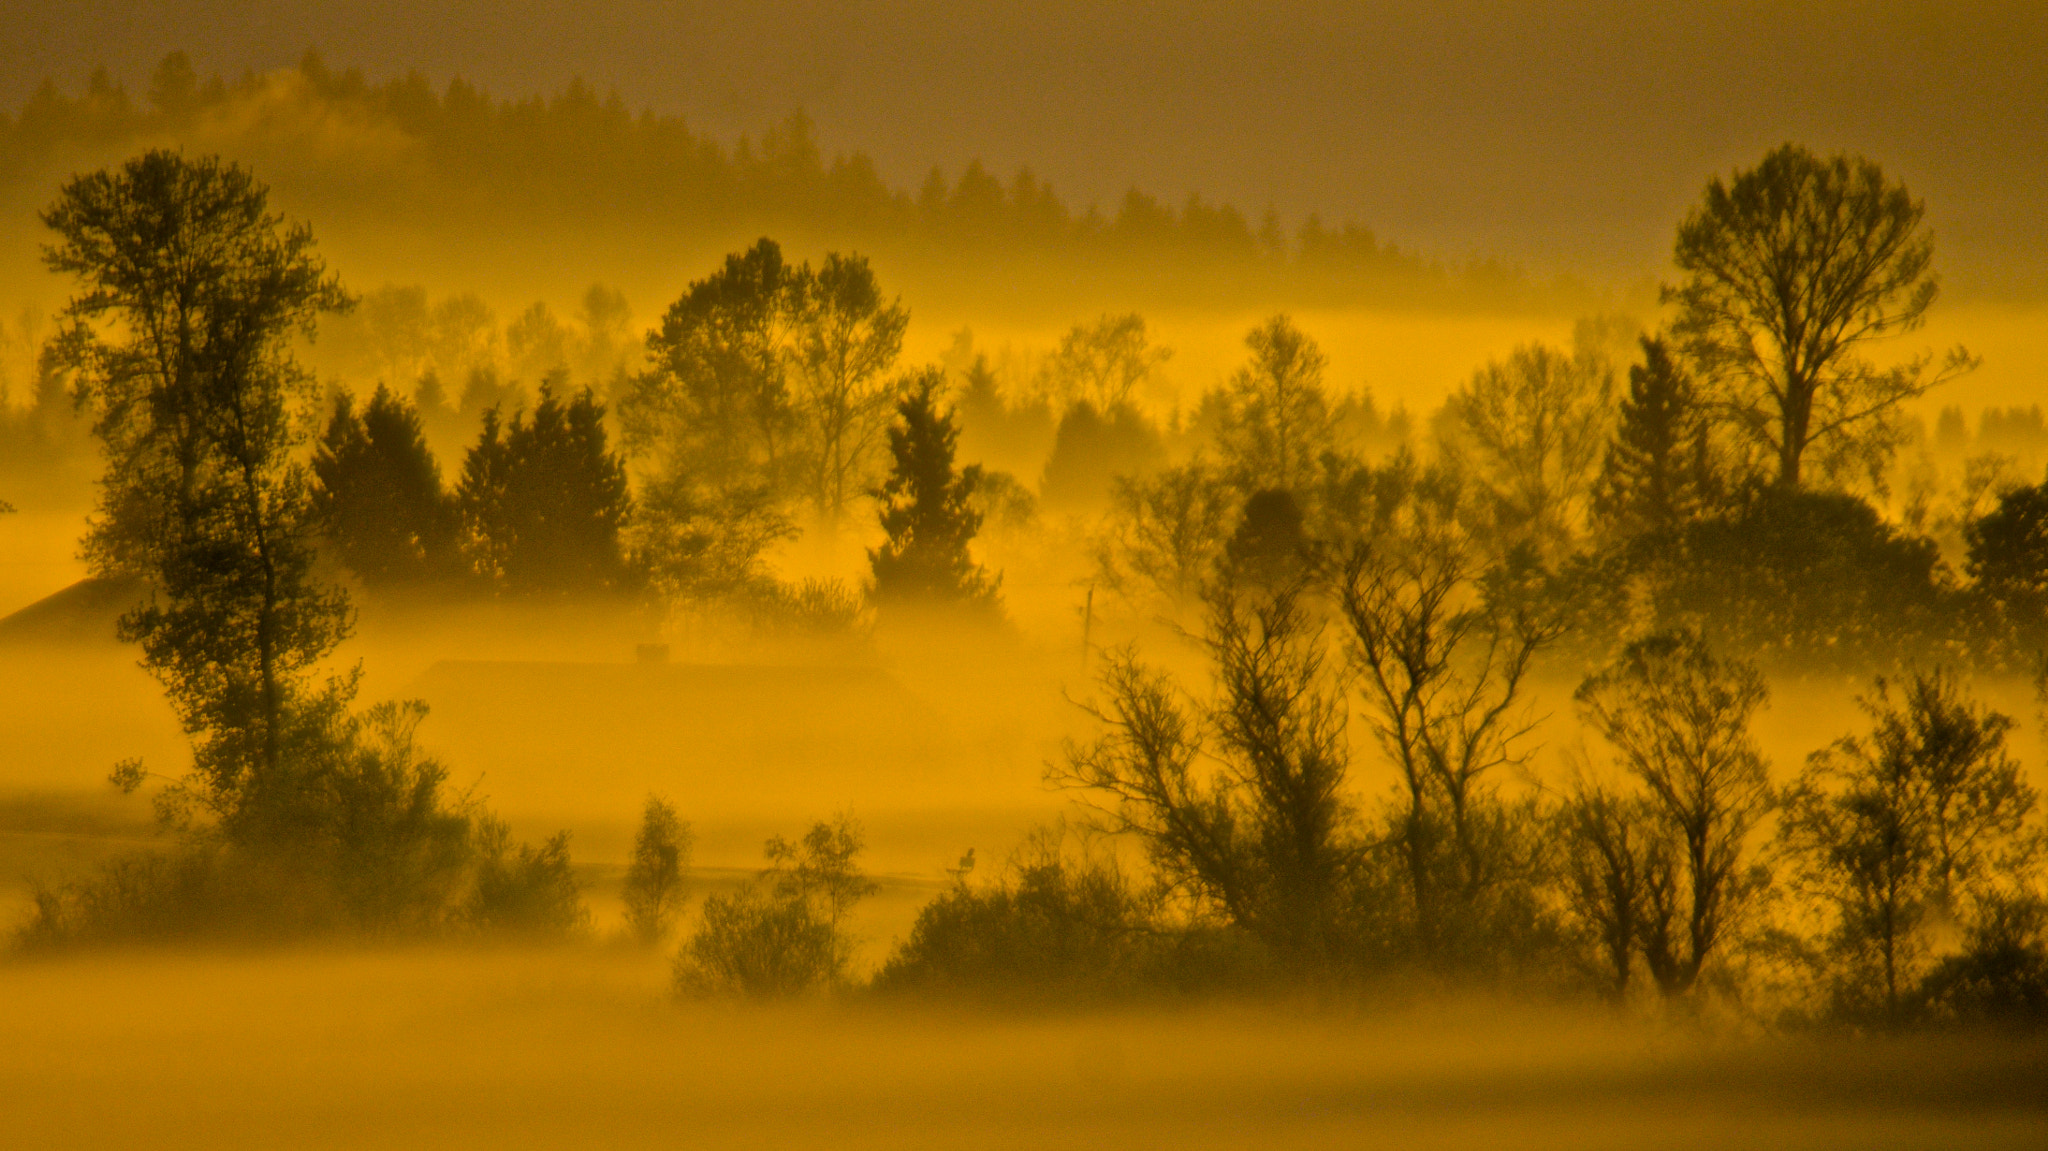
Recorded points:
(654, 879)
(1999, 979)
(783, 934)
(364, 840)
(527, 891)
(1055, 924)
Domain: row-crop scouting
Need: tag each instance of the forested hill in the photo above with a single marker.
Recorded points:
(406, 180)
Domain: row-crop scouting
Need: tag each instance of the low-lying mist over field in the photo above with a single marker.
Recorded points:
(529, 621)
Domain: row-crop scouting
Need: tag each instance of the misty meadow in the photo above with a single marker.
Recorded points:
(699, 642)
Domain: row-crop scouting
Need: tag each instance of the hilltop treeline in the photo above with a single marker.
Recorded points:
(453, 159)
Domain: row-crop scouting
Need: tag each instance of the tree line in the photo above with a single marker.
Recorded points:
(1671, 545)
(521, 163)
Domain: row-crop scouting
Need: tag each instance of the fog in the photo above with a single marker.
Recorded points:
(914, 575)
(525, 1049)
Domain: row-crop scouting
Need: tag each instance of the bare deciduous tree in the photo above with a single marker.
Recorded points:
(1267, 838)
(1443, 680)
(1678, 719)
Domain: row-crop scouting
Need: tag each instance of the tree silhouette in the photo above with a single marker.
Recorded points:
(1894, 828)
(1269, 838)
(712, 426)
(654, 877)
(1659, 470)
(844, 340)
(1789, 270)
(1092, 449)
(714, 401)
(1277, 419)
(927, 510)
(2008, 559)
(1678, 719)
(379, 494)
(189, 289)
(1444, 684)
(1102, 363)
(543, 500)
(1809, 578)
(1529, 428)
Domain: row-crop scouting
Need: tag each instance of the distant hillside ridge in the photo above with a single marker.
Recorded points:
(456, 166)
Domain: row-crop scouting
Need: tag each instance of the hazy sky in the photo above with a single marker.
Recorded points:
(1572, 133)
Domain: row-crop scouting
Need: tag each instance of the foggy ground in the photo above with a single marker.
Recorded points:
(509, 1049)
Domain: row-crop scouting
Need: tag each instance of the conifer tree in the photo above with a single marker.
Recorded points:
(926, 510)
(1659, 470)
(379, 494)
(544, 499)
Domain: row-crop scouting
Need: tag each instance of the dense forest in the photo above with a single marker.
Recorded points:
(1281, 579)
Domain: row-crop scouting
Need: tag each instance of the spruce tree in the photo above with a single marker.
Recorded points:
(379, 493)
(544, 499)
(1659, 471)
(926, 510)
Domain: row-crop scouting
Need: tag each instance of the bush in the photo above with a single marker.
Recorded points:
(782, 935)
(365, 840)
(2000, 979)
(529, 891)
(654, 879)
(762, 944)
(1054, 925)
(1812, 580)
(195, 891)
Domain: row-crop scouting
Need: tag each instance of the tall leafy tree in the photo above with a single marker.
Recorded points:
(1789, 271)
(715, 400)
(189, 289)
(712, 426)
(1530, 429)
(1102, 362)
(544, 499)
(379, 493)
(927, 510)
(844, 339)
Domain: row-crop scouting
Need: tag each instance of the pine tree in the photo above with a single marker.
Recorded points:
(1660, 468)
(379, 494)
(926, 510)
(543, 500)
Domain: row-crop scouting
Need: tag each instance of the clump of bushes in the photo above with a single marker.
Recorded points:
(366, 841)
(1056, 924)
(784, 934)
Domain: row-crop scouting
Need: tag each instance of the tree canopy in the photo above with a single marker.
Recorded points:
(1788, 271)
